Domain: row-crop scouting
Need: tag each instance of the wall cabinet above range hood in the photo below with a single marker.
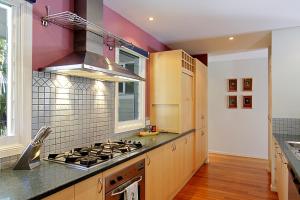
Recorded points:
(88, 60)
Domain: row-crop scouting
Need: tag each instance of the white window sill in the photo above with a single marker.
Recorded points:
(11, 150)
(129, 126)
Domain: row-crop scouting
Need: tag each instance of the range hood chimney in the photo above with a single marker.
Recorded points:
(88, 60)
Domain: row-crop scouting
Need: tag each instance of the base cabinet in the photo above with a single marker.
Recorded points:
(91, 188)
(66, 194)
(281, 173)
(169, 167)
(201, 147)
(204, 145)
(156, 171)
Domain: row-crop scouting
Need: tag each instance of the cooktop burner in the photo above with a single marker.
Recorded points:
(86, 157)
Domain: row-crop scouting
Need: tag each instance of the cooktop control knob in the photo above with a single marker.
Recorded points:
(119, 178)
(112, 182)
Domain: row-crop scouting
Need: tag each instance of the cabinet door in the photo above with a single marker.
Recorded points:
(157, 173)
(284, 178)
(188, 156)
(176, 166)
(66, 194)
(204, 145)
(187, 106)
(198, 149)
(205, 98)
(278, 175)
(201, 95)
(91, 188)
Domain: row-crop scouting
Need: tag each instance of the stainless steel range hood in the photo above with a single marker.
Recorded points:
(88, 60)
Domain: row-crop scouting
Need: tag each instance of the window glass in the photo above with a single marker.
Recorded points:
(129, 91)
(4, 47)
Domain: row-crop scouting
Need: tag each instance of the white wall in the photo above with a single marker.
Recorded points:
(286, 73)
(239, 131)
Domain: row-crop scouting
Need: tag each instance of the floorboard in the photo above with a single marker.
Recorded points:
(229, 178)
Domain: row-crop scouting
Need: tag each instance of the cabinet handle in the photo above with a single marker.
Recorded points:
(100, 185)
(175, 147)
(186, 140)
(149, 161)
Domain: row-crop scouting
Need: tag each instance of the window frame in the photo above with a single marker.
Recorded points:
(21, 59)
(140, 122)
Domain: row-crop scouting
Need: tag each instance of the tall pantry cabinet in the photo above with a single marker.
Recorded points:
(172, 91)
(201, 101)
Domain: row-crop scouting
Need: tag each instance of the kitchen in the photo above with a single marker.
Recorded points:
(76, 125)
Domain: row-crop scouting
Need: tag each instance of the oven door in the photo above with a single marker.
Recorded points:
(119, 192)
(294, 186)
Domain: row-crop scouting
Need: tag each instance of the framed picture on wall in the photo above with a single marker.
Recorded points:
(232, 85)
(247, 102)
(247, 84)
(232, 102)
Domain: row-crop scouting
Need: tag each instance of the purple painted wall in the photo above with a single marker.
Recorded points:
(53, 42)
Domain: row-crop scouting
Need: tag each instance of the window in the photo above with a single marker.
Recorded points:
(130, 96)
(5, 79)
(15, 71)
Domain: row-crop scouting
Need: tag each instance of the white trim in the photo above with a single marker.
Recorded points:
(22, 76)
(261, 53)
(134, 124)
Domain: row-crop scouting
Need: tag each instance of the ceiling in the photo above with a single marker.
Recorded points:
(221, 45)
(190, 23)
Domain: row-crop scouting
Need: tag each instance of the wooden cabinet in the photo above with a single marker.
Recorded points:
(172, 91)
(189, 163)
(66, 194)
(169, 167)
(198, 149)
(200, 95)
(91, 188)
(204, 145)
(201, 148)
(281, 173)
(176, 166)
(157, 169)
(201, 126)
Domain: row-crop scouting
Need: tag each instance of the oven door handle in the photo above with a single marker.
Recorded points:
(115, 191)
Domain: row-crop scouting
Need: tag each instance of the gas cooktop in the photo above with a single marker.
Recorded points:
(87, 157)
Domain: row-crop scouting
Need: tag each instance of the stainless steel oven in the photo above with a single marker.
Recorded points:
(294, 186)
(116, 184)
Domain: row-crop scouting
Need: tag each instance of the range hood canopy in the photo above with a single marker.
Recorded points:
(87, 60)
(91, 65)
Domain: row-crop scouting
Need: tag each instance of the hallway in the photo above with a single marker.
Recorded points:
(230, 178)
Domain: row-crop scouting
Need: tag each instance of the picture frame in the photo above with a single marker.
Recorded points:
(247, 102)
(232, 102)
(232, 85)
(247, 84)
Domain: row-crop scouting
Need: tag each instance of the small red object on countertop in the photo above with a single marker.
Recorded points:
(153, 128)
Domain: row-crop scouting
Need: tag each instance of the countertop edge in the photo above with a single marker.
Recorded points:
(66, 185)
(287, 155)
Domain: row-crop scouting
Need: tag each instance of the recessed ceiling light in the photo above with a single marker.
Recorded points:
(231, 38)
(151, 18)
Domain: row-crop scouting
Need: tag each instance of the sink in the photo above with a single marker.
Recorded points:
(294, 144)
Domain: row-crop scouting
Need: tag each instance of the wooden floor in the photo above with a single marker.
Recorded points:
(229, 178)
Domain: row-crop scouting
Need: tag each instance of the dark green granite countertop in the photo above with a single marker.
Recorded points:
(293, 162)
(51, 177)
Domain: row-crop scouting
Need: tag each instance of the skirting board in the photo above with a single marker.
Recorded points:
(233, 154)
